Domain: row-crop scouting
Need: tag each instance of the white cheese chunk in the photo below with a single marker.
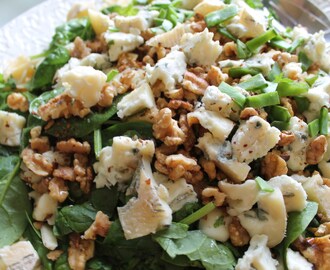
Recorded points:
(85, 84)
(318, 192)
(45, 207)
(269, 218)
(11, 126)
(296, 261)
(249, 23)
(48, 238)
(97, 61)
(319, 96)
(111, 170)
(292, 70)
(137, 100)
(258, 256)
(120, 43)
(241, 197)
(99, 21)
(298, 148)
(262, 61)
(215, 225)
(254, 139)
(131, 24)
(208, 6)
(147, 213)
(219, 126)
(221, 153)
(169, 70)
(193, 44)
(293, 192)
(318, 50)
(179, 191)
(168, 39)
(215, 100)
(20, 255)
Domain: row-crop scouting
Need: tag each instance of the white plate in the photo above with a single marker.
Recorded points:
(31, 32)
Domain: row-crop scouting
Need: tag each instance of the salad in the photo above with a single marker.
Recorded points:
(167, 135)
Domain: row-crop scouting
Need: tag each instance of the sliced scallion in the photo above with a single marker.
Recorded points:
(263, 100)
(290, 89)
(295, 44)
(216, 17)
(279, 113)
(281, 125)
(208, 208)
(255, 83)
(234, 93)
(238, 72)
(275, 72)
(280, 43)
(97, 143)
(324, 119)
(302, 103)
(304, 60)
(263, 185)
(314, 128)
(112, 74)
(311, 80)
(242, 51)
(223, 31)
(255, 43)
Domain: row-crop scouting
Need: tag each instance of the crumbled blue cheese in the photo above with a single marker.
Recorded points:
(221, 153)
(262, 61)
(293, 192)
(208, 6)
(169, 70)
(168, 39)
(20, 255)
(215, 100)
(137, 100)
(269, 218)
(131, 24)
(11, 126)
(85, 84)
(215, 225)
(253, 139)
(219, 126)
(147, 213)
(97, 61)
(249, 23)
(298, 148)
(319, 96)
(99, 21)
(258, 256)
(111, 170)
(318, 50)
(296, 261)
(179, 191)
(193, 44)
(120, 43)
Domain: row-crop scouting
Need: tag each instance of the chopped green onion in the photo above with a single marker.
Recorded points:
(280, 125)
(275, 72)
(271, 87)
(172, 15)
(263, 185)
(113, 29)
(311, 80)
(324, 119)
(176, 3)
(302, 103)
(280, 43)
(242, 51)
(279, 113)
(223, 31)
(314, 128)
(113, 73)
(158, 21)
(162, 14)
(234, 93)
(295, 44)
(255, 43)
(291, 89)
(208, 208)
(238, 72)
(216, 17)
(304, 60)
(167, 25)
(255, 83)
(263, 100)
(97, 143)
(129, 10)
(140, 2)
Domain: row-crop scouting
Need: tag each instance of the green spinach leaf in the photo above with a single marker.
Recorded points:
(74, 218)
(144, 129)
(98, 264)
(105, 199)
(80, 127)
(14, 201)
(46, 70)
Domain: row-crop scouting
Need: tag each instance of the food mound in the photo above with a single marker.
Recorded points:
(167, 135)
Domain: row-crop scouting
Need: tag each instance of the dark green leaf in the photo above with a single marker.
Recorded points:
(304, 60)
(105, 200)
(98, 264)
(3, 100)
(75, 218)
(62, 262)
(14, 201)
(175, 231)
